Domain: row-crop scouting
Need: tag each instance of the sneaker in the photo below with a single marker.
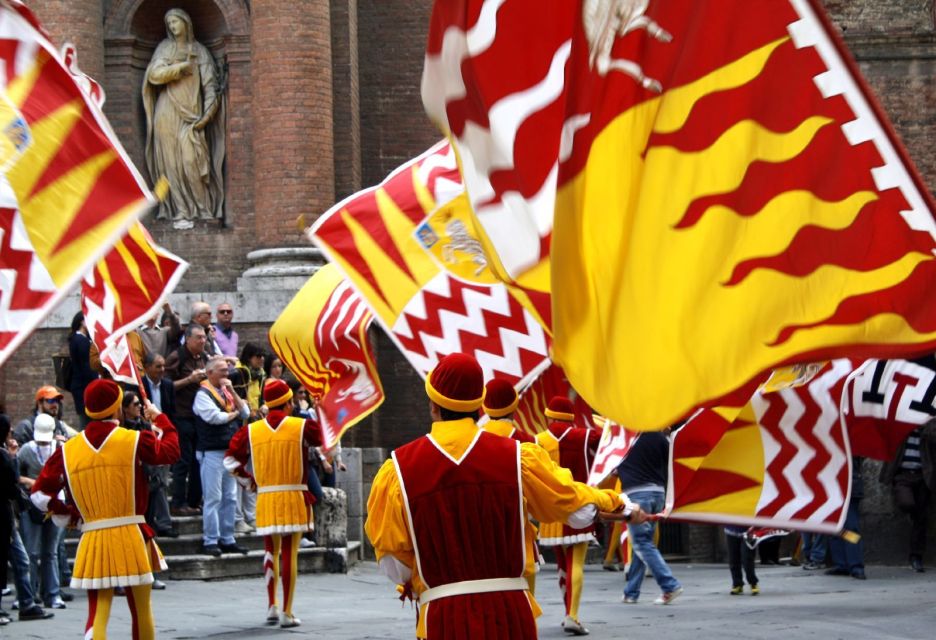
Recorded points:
(613, 566)
(755, 590)
(573, 626)
(272, 615)
(288, 621)
(736, 591)
(305, 543)
(211, 550)
(159, 585)
(628, 600)
(233, 548)
(57, 603)
(811, 566)
(6, 591)
(836, 571)
(669, 596)
(243, 527)
(35, 612)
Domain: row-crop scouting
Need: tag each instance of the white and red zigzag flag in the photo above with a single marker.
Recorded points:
(615, 444)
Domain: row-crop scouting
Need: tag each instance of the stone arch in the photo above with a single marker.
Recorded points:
(122, 14)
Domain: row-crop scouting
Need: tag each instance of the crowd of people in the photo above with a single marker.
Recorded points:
(196, 382)
(214, 431)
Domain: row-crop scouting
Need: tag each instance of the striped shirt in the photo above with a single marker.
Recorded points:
(911, 456)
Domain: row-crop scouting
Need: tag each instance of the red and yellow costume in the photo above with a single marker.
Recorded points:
(279, 448)
(106, 490)
(447, 516)
(572, 448)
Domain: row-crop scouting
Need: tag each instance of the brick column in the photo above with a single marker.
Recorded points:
(80, 22)
(292, 116)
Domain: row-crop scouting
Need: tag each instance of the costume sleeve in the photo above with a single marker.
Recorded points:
(551, 493)
(155, 449)
(46, 490)
(312, 433)
(386, 521)
(235, 458)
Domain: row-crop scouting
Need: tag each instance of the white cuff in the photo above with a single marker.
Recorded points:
(582, 517)
(61, 521)
(231, 464)
(41, 500)
(398, 572)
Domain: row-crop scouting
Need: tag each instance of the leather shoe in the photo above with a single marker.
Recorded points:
(836, 571)
(212, 550)
(167, 533)
(233, 548)
(858, 574)
(35, 612)
(184, 511)
(67, 597)
(916, 563)
(159, 585)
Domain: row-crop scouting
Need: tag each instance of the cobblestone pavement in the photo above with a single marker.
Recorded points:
(892, 603)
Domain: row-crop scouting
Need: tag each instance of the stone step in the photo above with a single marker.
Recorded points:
(185, 545)
(313, 560)
(185, 525)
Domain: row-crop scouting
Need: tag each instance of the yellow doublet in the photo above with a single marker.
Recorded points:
(550, 530)
(112, 551)
(549, 494)
(278, 467)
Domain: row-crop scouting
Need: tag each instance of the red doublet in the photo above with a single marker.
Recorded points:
(466, 522)
(576, 453)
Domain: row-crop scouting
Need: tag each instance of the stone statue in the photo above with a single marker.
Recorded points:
(184, 105)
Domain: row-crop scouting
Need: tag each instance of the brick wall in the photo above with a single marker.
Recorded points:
(77, 21)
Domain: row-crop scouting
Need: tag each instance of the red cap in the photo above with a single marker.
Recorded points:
(457, 383)
(101, 398)
(560, 408)
(500, 398)
(276, 393)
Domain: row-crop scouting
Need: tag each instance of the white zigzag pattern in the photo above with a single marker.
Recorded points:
(496, 301)
(829, 419)
(837, 80)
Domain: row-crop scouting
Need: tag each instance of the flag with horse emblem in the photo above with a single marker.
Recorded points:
(68, 191)
(407, 248)
(321, 337)
(710, 191)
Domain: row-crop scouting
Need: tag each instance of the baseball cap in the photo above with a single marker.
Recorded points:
(43, 428)
(48, 392)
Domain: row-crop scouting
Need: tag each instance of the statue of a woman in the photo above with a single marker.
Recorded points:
(185, 124)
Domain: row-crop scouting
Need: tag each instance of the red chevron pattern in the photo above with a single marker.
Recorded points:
(616, 442)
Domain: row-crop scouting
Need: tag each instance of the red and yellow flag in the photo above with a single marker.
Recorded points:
(126, 287)
(321, 337)
(711, 188)
(68, 191)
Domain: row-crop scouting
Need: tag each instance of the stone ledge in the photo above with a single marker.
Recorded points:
(315, 560)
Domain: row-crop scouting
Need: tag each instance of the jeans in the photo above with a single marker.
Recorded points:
(186, 487)
(42, 541)
(740, 556)
(844, 555)
(814, 547)
(19, 562)
(220, 494)
(645, 553)
(315, 485)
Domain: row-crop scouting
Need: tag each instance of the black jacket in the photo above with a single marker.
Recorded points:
(167, 395)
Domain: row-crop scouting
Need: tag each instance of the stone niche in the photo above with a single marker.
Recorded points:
(132, 30)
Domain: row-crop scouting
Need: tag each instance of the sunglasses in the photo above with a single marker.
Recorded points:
(53, 400)
(225, 311)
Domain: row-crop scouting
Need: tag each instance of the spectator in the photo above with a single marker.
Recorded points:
(186, 366)
(49, 402)
(11, 544)
(41, 536)
(814, 550)
(848, 558)
(158, 338)
(740, 556)
(912, 476)
(79, 349)
(274, 367)
(219, 413)
(248, 378)
(201, 315)
(225, 336)
(303, 408)
(643, 479)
